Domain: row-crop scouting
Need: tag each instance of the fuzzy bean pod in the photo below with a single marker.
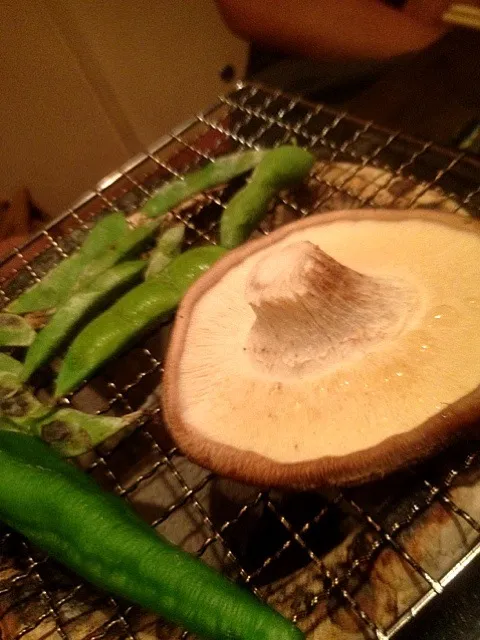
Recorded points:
(69, 316)
(55, 286)
(168, 246)
(15, 331)
(217, 172)
(138, 310)
(280, 168)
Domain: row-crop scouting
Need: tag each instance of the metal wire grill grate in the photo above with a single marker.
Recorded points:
(355, 563)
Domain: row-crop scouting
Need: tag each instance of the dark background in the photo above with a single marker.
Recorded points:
(434, 94)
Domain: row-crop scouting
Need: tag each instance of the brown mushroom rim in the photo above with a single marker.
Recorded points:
(346, 431)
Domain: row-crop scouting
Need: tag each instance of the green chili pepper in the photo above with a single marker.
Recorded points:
(217, 172)
(168, 246)
(69, 315)
(15, 331)
(131, 315)
(65, 513)
(56, 285)
(280, 168)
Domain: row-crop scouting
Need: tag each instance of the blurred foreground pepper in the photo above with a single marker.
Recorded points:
(64, 512)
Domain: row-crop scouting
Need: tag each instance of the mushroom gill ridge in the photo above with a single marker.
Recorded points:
(312, 313)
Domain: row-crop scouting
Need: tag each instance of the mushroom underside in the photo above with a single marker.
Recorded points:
(335, 350)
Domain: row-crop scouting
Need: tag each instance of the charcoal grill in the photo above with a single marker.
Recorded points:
(326, 560)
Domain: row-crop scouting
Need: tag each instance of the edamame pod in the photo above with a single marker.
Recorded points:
(168, 246)
(128, 246)
(131, 315)
(217, 172)
(280, 168)
(15, 331)
(17, 403)
(69, 316)
(71, 433)
(96, 254)
(68, 431)
(10, 365)
(56, 285)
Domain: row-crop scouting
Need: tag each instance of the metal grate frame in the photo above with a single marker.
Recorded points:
(256, 537)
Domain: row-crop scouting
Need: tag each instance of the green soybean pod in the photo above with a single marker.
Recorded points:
(217, 172)
(15, 331)
(280, 168)
(139, 309)
(128, 246)
(55, 286)
(69, 431)
(17, 403)
(69, 316)
(72, 433)
(168, 246)
(10, 365)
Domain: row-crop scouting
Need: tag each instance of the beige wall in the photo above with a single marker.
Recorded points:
(87, 83)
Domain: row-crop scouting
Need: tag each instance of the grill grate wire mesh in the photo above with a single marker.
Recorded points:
(256, 537)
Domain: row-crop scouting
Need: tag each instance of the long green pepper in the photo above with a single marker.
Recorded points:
(131, 315)
(64, 512)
